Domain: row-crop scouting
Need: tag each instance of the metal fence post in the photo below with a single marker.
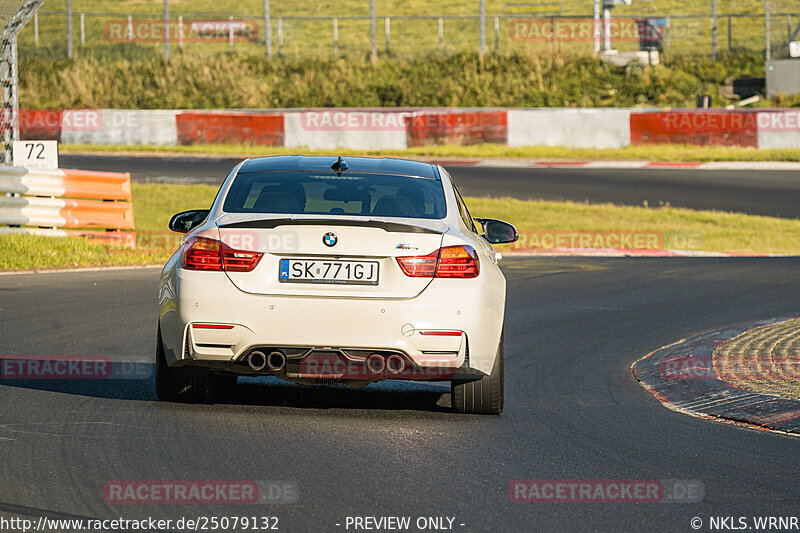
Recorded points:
(441, 35)
(388, 30)
(497, 34)
(335, 36)
(69, 29)
(83, 31)
(36, 28)
(373, 47)
(230, 33)
(9, 77)
(130, 28)
(667, 30)
(713, 30)
(730, 32)
(483, 26)
(280, 36)
(267, 29)
(166, 30)
(180, 31)
(596, 28)
(767, 41)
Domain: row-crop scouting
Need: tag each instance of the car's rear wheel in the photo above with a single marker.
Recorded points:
(180, 384)
(484, 396)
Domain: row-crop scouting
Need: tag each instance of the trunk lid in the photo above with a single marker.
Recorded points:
(358, 239)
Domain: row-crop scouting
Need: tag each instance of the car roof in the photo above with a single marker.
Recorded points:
(366, 165)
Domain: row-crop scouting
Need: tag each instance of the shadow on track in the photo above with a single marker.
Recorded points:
(266, 391)
(400, 395)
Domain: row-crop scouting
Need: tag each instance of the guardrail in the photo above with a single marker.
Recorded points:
(66, 202)
(401, 128)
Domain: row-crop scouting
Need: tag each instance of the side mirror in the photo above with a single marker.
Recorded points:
(186, 220)
(498, 232)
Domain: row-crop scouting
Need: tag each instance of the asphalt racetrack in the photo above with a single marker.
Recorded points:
(573, 410)
(756, 192)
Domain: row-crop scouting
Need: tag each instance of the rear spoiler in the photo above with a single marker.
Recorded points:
(271, 223)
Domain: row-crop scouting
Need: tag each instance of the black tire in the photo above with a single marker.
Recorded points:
(483, 396)
(180, 384)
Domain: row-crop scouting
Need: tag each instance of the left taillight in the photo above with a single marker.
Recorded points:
(203, 253)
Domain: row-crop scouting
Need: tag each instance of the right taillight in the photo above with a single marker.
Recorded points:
(459, 261)
(203, 253)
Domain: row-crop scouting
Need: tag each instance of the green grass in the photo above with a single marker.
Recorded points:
(460, 80)
(671, 152)
(681, 228)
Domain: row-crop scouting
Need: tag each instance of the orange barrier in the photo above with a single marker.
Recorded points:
(48, 201)
(97, 185)
(97, 214)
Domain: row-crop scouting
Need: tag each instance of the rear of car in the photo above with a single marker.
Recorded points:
(318, 270)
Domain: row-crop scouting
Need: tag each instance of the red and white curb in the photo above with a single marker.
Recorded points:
(683, 378)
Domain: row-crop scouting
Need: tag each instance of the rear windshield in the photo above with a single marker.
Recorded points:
(379, 195)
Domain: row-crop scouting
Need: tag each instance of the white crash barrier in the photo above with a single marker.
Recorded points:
(328, 129)
(119, 127)
(779, 129)
(575, 128)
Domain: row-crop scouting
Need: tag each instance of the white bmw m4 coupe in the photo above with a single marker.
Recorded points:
(323, 270)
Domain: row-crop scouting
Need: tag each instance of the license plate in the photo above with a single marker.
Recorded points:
(322, 271)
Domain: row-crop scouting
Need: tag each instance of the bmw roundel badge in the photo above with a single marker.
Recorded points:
(330, 239)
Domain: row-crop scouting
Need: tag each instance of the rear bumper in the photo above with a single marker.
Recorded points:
(469, 310)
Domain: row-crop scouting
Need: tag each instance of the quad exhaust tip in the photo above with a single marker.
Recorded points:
(257, 361)
(395, 364)
(276, 361)
(375, 363)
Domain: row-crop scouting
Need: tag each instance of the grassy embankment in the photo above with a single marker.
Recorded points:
(681, 228)
(460, 80)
